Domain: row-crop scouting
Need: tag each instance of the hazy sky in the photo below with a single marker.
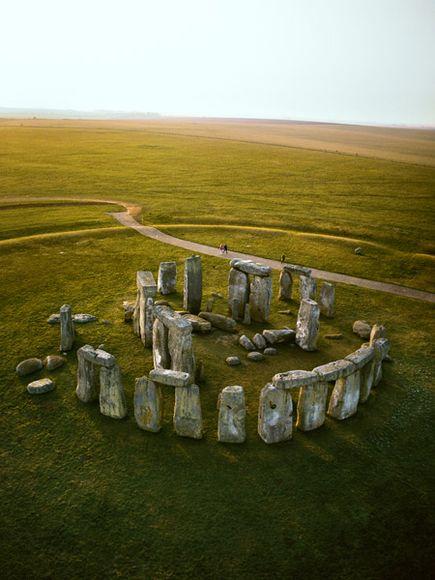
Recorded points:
(341, 60)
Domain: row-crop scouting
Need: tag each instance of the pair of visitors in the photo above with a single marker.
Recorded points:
(223, 248)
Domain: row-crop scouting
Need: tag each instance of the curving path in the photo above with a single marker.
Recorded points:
(127, 218)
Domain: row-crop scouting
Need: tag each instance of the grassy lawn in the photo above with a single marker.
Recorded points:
(83, 495)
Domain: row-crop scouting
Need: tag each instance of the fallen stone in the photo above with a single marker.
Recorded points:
(170, 377)
(270, 351)
(259, 341)
(294, 379)
(255, 356)
(198, 324)
(167, 278)
(233, 361)
(337, 336)
(232, 414)
(249, 267)
(187, 412)
(275, 412)
(279, 336)
(219, 321)
(362, 328)
(28, 366)
(307, 325)
(148, 405)
(54, 319)
(246, 342)
(54, 361)
(83, 318)
(40, 386)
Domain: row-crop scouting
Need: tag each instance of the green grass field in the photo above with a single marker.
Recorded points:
(86, 496)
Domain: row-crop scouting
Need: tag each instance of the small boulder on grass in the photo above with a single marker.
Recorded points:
(362, 328)
(28, 366)
(54, 361)
(255, 356)
(270, 351)
(39, 387)
(359, 251)
(233, 361)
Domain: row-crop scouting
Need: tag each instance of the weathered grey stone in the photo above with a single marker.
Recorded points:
(312, 406)
(86, 389)
(146, 288)
(148, 405)
(307, 325)
(28, 366)
(334, 336)
(170, 377)
(247, 315)
(334, 370)
(112, 397)
(167, 278)
(161, 356)
(275, 412)
(40, 386)
(359, 251)
(260, 298)
(294, 379)
(67, 333)
(249, 267)
(361, 357)
(255, 356)
(307, 288)
(367, 375)
(377, 331)
(192, 296)
(187, 412)
(294, 268)
(381, 348)
(219, 321)
(279, 336)
(98, 356)
(259, 341)
(149, 321)
(327, 299)
(209, 305)
(233, 361)
(200, 371)
(82, 318)
(246, 342)
(162, 302)
(288, 312)
(181, 351)
(54, 318)
(285, 286)
(270, 351)
(53, 362)
(345, 397)
(128, 306)
(198, 324)
(362, 328)
(238, 290)
(172, 319)
(232, 413)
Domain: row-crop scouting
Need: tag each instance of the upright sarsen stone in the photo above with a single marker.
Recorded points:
(307, 288)
(148, 405)
(307, 325)
(112, 397)
(232, 413)
(146, 288)
(285, 285)
(167, 278)
(327, 299)
(260, 298)
(238, 290)
(192, 296)
(161, 356)
(187, 412)
(345, 395)
(275, 412)
(67, 333)
(149, 321)
(181, 349)
(86, 389)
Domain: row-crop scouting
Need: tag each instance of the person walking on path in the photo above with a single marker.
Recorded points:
(282, 258)
(221, 248)
(225, 249)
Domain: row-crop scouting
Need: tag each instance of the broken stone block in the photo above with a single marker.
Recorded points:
(67, 333)
(128, 307)
(112, 397)
(294, 379)
(219, 321)
(381, 349)
(28, 366)
(255, 356)
(233, 361)
(53, 362)
(285, 286)
(260, 298)
(307, 288)
(377, 331)
(232, 413)
(307, 325)
(148, 405)
(362, 328)
(40, 386)
(192, 296)
(327, 299)
(167, 278)
(187, 412)
(198, 324)
(270, 351)
(246, 342)
(275, 412)
(259, 341)
(279, 336)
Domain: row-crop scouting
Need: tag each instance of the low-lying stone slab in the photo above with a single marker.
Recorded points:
(361, 328)
(255, 356)
(219, 321)
(246, 342)
(270, 351)
(294, 379)
(170, 377)
(233, 361)
(199, 324)
(28, 366)
(54, 361)
(40, 386)
(279, 336)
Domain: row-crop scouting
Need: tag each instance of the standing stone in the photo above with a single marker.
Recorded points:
(112, 397)
(67, 333)
(327, 299)
(260, 298)
(232, 413)
(381, 347)
(363, 361)
(307, 288)
(307, 326)
(161, 356)
(312, 406)
(275, 412)
(187, 412)
(192, 285)
(345, 395)
(377, 331)
(235, 309)
(238, 290)
(167, 278)
(86, 389)
(219, 321)
(247, 315)
(285, 286)
(149, 321)
(181, 349)
(148, 405)
(146, 288)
